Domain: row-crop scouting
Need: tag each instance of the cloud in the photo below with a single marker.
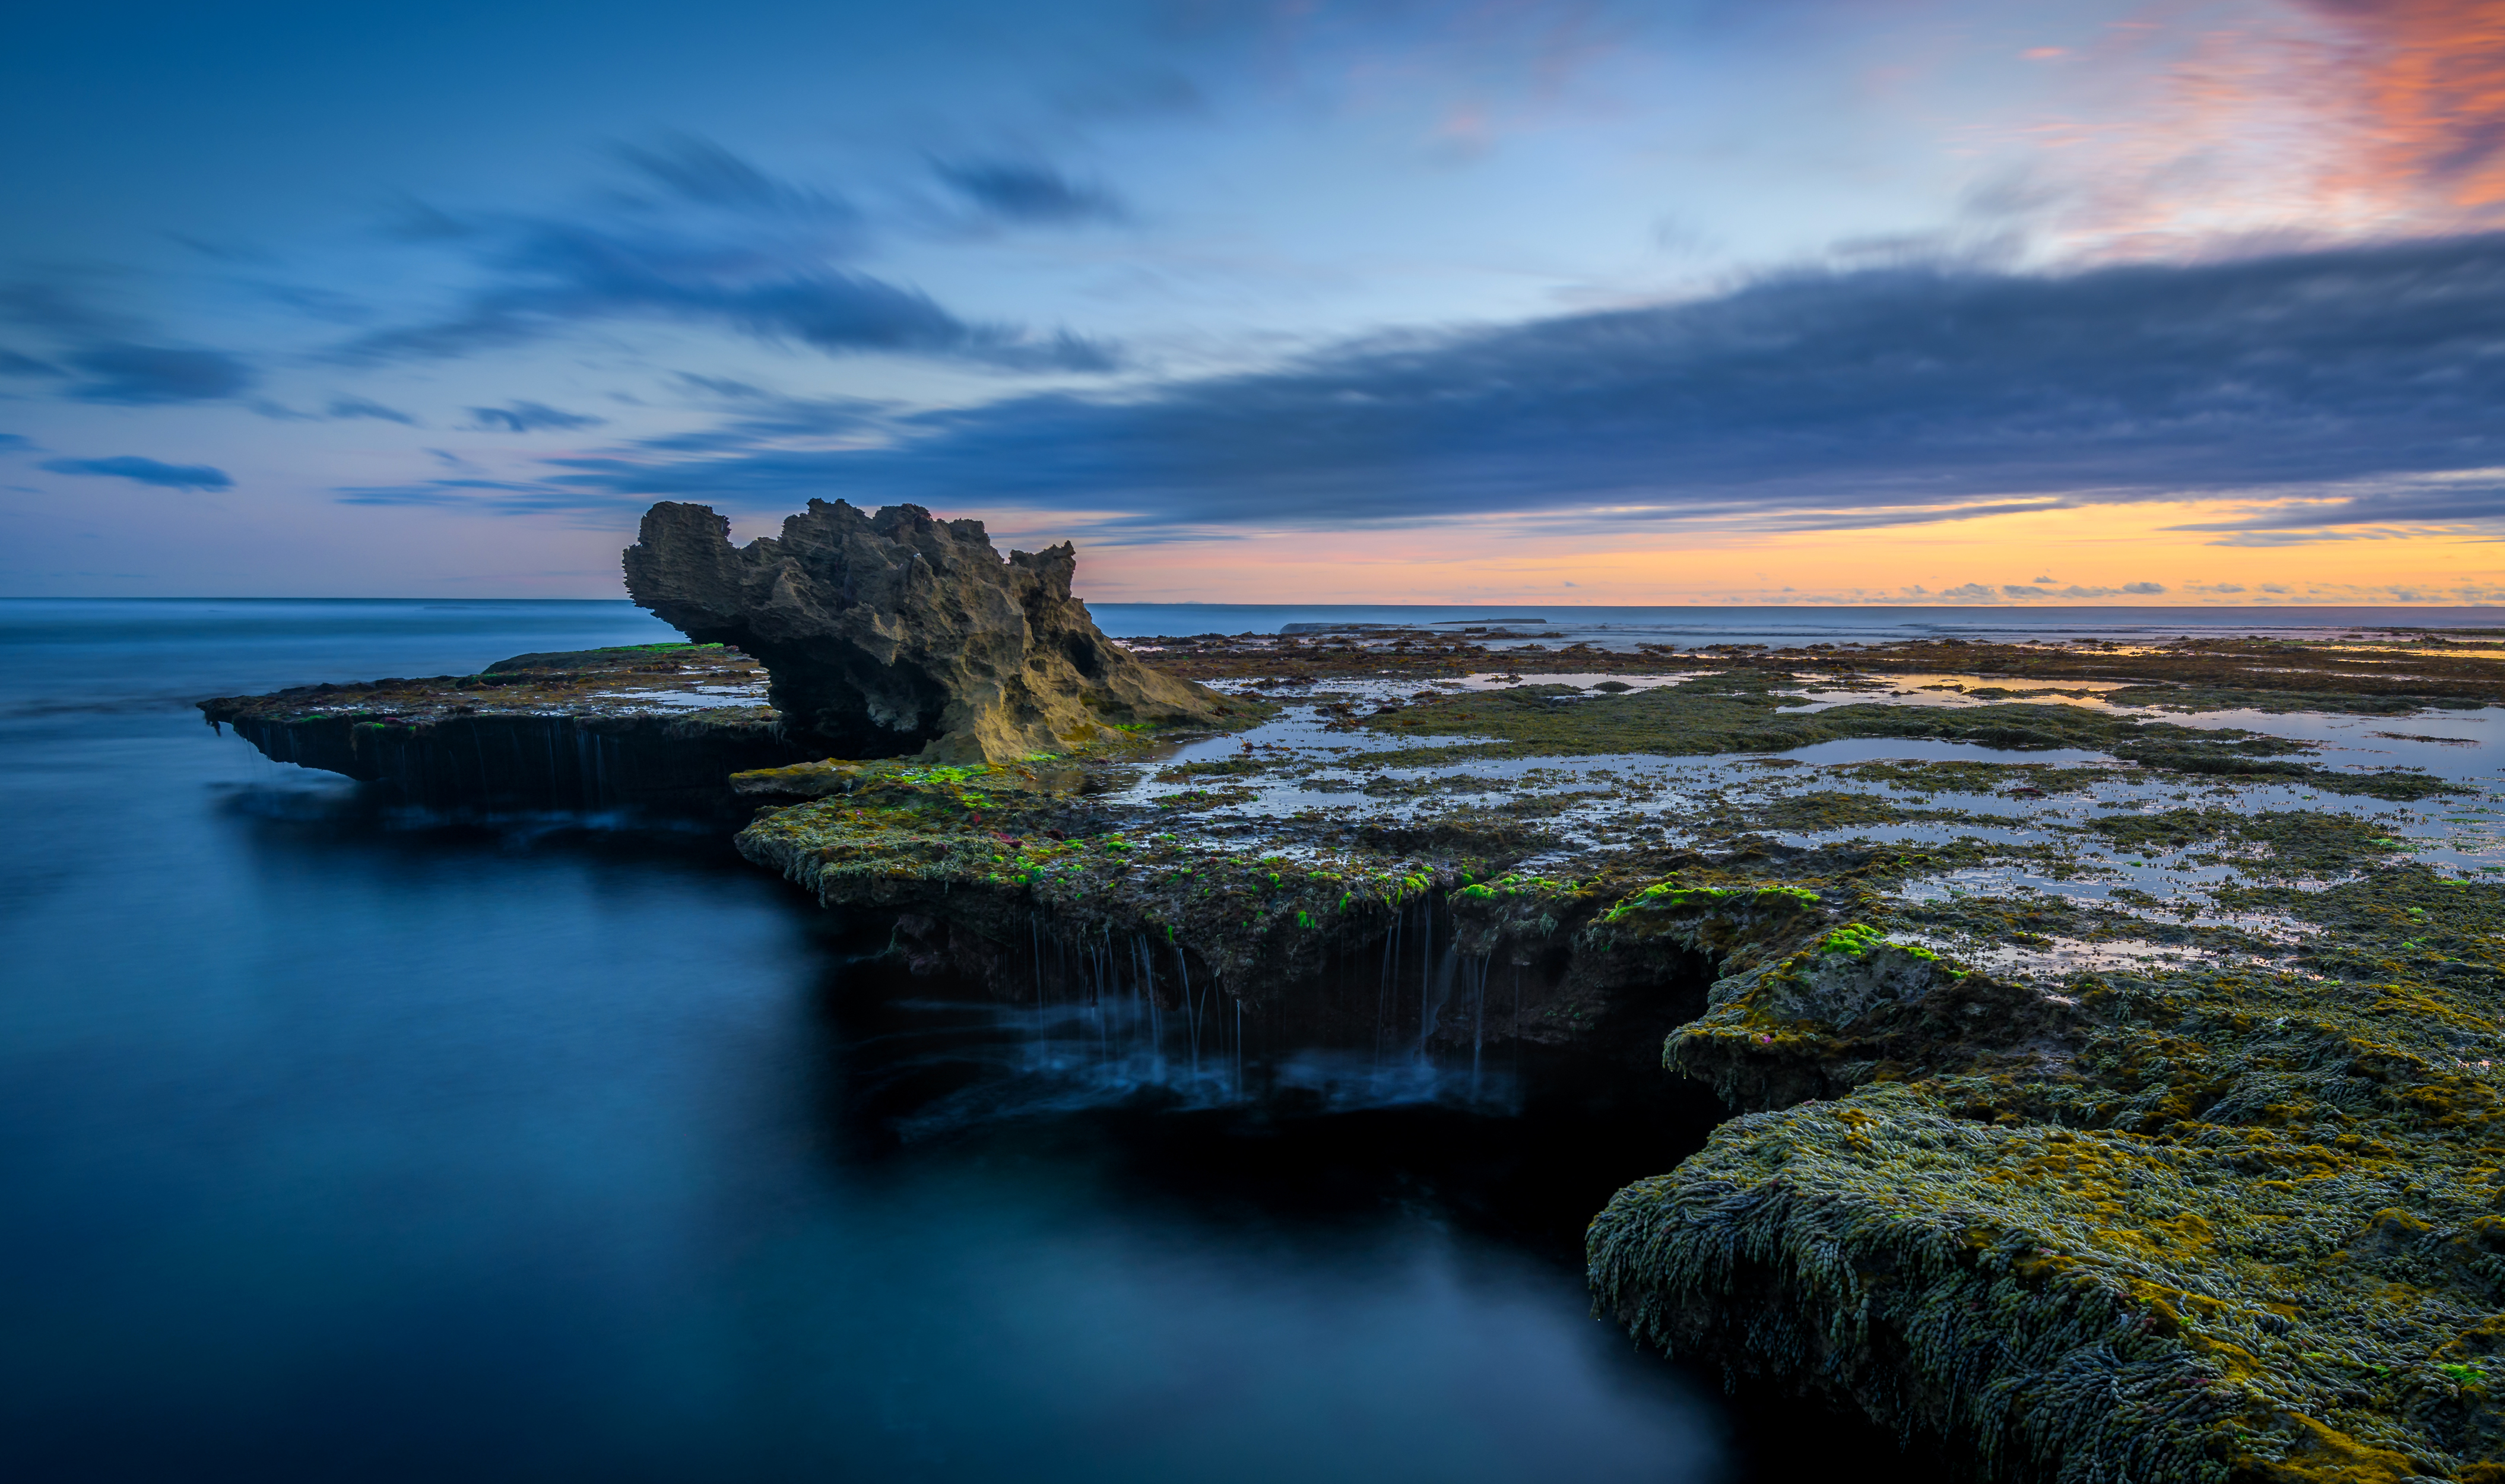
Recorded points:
(738, 251)
(718, 386)
(769, 421)
(1807, 400)
(144, 472)
(2074, 591)
(528, 417)
(1029, 194)
(2447, 496)
(102, 348)
(143, 376)
(2433, 80)
(14, 441)
(704, 173)
(51, 308)
(359, 406)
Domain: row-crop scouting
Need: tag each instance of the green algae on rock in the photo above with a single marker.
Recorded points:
(1750, 712)
(2229, 1223)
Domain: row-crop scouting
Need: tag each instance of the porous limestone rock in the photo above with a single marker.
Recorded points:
(895, 632)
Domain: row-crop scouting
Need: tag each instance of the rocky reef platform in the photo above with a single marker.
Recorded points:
(2115, 1033)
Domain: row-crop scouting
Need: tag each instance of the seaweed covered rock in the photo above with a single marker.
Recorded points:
(1935, 1273)
(2232, 1220)
(894, 632)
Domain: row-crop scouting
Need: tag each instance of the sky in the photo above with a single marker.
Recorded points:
(1904, 302)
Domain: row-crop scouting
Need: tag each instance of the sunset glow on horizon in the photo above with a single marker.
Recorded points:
(1924, 301)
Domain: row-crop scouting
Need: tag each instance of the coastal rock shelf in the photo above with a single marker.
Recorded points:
(2114, 1034)
(658, 727)
(2119, 1087)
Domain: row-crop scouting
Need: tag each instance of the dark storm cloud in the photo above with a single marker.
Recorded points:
(1030, 194)
(144, 472)
(727, 246)
(1824, 401)
(529, 416)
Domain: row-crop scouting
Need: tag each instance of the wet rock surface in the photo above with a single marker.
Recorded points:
(893, 633)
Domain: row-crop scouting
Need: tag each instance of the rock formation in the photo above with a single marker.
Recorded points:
(895, 632)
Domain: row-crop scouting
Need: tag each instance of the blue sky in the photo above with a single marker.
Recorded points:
(1801, 300)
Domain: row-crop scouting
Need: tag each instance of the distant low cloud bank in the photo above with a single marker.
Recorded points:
(1807, 400)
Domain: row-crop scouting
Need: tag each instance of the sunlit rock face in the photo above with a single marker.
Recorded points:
(893, 632)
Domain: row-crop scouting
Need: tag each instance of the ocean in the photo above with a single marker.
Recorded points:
(339, 1140)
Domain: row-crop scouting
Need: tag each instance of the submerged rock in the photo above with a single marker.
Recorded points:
(893, 633)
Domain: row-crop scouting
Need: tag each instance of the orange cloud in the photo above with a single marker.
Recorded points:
(2331, 118)
(2433, 85)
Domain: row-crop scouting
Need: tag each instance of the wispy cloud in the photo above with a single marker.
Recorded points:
(144, 375)
(737, 250)
(2433, 84)
(360, 406)
(1025, 193)
(530, 417)
(2074, 591)
(144, 472)
(2450, 497)
(700, 172)
(103, 357)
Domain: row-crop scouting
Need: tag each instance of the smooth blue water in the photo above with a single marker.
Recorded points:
(337, 1145)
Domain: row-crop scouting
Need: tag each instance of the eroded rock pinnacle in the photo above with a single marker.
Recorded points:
(895, 632)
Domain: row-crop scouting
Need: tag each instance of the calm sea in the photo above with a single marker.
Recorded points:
(338, 1142)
